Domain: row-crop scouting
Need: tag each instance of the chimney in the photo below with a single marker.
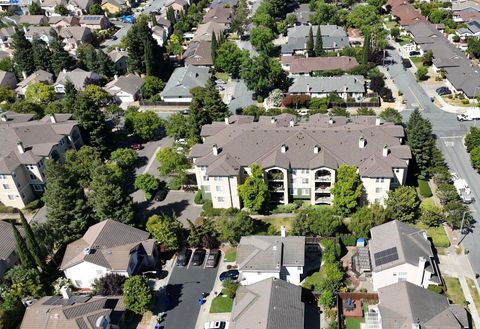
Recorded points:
(115, 77)
(362, 142)
(331, 121)
(385, 150)
(215, 149)
(378, 121)
(283, 231)
(20, 147)
(284, 148)
(3, 118)
(316, 149)
(292, 122)
(53, 118)
(66, 292)
(273, 120)
(24, 75)
(227, 121)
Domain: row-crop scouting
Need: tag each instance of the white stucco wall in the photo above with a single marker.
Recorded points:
(394, 275)
(376, 189)
(293, 274)
(247, 278)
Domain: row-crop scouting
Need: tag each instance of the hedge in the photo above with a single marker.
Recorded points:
(424, 188)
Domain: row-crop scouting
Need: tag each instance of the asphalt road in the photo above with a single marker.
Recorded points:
(185, 287)
(450, 133)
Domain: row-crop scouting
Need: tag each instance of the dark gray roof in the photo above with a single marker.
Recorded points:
(269, 253)
(78, 77)
(410, 243)
(185, 78)
(7, 240)
(268, 304)
(242, 97)
(344, 83)
(303, 13)
(37, 76)
(325, 30)
(403, 305)
(328, 42)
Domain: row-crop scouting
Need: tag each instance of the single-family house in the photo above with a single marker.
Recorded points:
(177, 5)
(48, 6)
(182, 80)
(75, 36)
(33, 20)
(471, 29)
(204, 31)
(159, 34)
(108, 247)
(333, 38)
(8, 253)
(94, 22)
(224, 3)
(240, 98)
(404, 12)
(126, 88)
(39, 76)
(79, 7)
(119, 57)
(345, 86)
(406, 305)
(261, 257)
(6, 34)
(114, 6)
(165, 23)
(8, 79)
(466, 15)
(270, 303)
(219, 14)
(78, 77)
(354, 36)
(199, 54)
(303, 13)
(306, 65)
(40, 32)
(75, 312)
(400, 252)
(63, 21)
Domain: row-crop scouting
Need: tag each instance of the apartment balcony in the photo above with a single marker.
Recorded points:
(323, 199)
(275, 176)
(325, 189)
(323, 176)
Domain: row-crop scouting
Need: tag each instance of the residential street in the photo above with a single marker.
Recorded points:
(450, 133)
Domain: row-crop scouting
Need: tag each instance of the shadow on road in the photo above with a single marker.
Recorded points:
(173, 292)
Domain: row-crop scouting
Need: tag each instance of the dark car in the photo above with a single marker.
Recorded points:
(443, 91)
(213, 257)
(406, 63)
(150, 274)
(136, 147)
(230, 274)
(414, 53)
(160, 195)
(198, 257)
(184, 257)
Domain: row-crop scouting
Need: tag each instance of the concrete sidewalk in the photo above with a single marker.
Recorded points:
(471, 305)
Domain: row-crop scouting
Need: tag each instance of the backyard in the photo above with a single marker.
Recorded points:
(352, 323)
(277, 222)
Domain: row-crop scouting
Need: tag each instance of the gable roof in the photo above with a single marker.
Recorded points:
(7, 245)
(311, 64)
(185, 78)
(219, 14)
(205, 30)
(268, 304)
(37, 76)
(78, 77)
(343, 83)
(198, 53)
(129, 83)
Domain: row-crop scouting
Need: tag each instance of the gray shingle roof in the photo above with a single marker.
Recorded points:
(78, 77)
(185, 78)
(129, 83)
(404, 304)
(7, 243)
(37, 76)
(344, 83)
(268, 304)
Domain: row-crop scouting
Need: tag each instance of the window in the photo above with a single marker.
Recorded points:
(3, 176)
(11, 197)
(220, 199)
(306, 191)
(203, 168)
(294, 171)
(378, 190)
(304, 180)
(217, 179)
(37, 187)
(219, 188)
(6, 186)
(32, 176)
(397, 170)
(379, 180)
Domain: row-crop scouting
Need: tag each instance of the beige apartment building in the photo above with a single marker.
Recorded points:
(25, 144)
(300, 159)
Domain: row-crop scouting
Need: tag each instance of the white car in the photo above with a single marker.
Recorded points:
(216, 325)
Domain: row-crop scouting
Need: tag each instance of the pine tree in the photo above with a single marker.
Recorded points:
(366, 49)
(214, 46)
(310, 43)
(60, 59)
(143, 51)
(22, 54)
(318, 50)
(22, 249)
(421, 142)
(70, 96)
(149, 58)
(171, 15)
(41, 55)
(105, 65)
(34, 248)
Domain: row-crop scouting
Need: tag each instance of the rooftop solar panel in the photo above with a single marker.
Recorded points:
(386, 256)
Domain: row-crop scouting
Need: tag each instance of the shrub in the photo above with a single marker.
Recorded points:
(435, 288)
(7, 210)
(347, 239)
(259, 99)
(198, 197)
(208, 210)
(422, 73)
(424, 188)
(34, 205)
(285, 209)
(465, 101)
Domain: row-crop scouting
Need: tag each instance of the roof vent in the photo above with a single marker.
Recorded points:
(87, 251)
(362, 142)
(378, 121)
(215, 149)
(316, 149)
(284, 148)
(273, 120)
(385, 150)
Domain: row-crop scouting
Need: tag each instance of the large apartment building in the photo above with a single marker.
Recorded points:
(25, 144)
(300, 159)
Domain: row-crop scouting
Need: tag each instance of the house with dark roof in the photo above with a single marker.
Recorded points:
(219, 14)
(36, 77)
(182, 80)
(199, 54)
(399, 252)
(306, 65)
(333, 38)
(108, 247)
(8, 79)
(268, 304)
(303, 13)
(299, 159)
(80, 78)
(126, 88)
(404, 305)
(95, 22)
(75, 36)
(119, 57)
(471, 29)
(261, 257)
(74, 312)
(26, 143)
(8, 253)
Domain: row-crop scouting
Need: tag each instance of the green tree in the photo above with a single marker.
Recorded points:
(95, 9)
(391, 115)
(61, 10)
(446, 193)
(366, 49)
(427, 58)
(96, 95)
(230, 288)
(318, 49)
(329, 278)
(261, 38)
(317, 220)
(395, 33)
(455, 213)
(262, 73)
(166, 230)
(365, 111)
(60, 58)
(35, 9)
(24, 282)
(6, 64)
(475, 158)
(137, 294)
(6, 94)
(421, 142)
(229, 58)
(24, 254)
(144, 55)
(40, 93)
(70, 97)
(431, 216)
(174, 45)
(233, 224)
(124, 157)
(473, 47)
(472, 139)
(144, 124)
(365, 218)
(362, 16)
(325, 13)
(239, 17)
(147, 183)
(402, 204)
(254, 191)
(422, 73)
(152, 86)
(81, 164)
(22, 54)
(109, 285)
(347, 189)
(41, 54)
(170, 161)
(310, 43)
(34, 248)
(175, 126)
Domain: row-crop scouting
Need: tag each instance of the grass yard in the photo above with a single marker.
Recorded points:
(438, 235)
(230, 255)
(352, 323)
(391, 24)
(222, 76)
(277, 222)
(417, 61)
(404, 40)
(474, 293)
(221, 304)
(454, 290)
(427, 203)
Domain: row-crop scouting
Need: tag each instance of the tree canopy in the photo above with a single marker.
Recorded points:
(254, 191)
(137, 294)
(347, 189)
(402, 204)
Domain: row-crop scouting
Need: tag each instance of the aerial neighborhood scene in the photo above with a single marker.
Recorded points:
(242, 164)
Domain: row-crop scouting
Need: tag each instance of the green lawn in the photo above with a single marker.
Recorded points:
(417, 61)
(438, 235)
(230, 255)
(404, 39)
(474, 293)
(222, 76)
(352, 323)
(454, 290)
(277, 222)
(221, 304)
(427, 203)
(391, 24)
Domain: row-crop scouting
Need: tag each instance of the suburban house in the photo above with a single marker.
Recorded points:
(95, 22)
(78, 77)
(126, 88)
(405, 305)
(261, 257)
(404, 12)
(223, 3)
(159, 34)
(114, 6)
(219, 14)
(75, 36)
(466, 15)
(79, 7)
(305, 65)
(399, 252)
(333, 38)
(471, 29)
(108, 247)
(48, 6)
(8, 79)
(6, 34)
(119, 57)
(182, 80)
(300, 159)
(199, 54)
(240, 98)
(40, 32)
(303, 13)
(205, 30)
(36, 77)
(346, 86)
(75, 312)
(270, 303)
(177, 5)
(8, 253)
(63, 21)
(26, 143)
(33, 20)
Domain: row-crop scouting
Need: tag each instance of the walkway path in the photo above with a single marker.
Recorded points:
(471, 305)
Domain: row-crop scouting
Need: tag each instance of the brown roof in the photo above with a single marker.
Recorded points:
(198, 53)
(311, 64)
(405, 12)
(218, 14)
(468, 15)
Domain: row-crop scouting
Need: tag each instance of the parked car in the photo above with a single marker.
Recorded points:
(219, 82)
(414, 53)
(406, 63)
(230, 274)
(443, 91)
(213, 257)
(219, 88)
(198, 257)
(160, 195)
(136, 147)
(184, 257)
(216, 325)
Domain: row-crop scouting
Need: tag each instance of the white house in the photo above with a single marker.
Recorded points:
(108, 247)
(262, 257)
(345, 86)
(126, 89)
(182, 80)
(400, 252)
(78, 77)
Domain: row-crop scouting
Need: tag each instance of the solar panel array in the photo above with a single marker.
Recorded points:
(59, 300)
(386, 256)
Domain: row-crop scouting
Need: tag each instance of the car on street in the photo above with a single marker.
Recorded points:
(442, 91)
(216, 325)
(213, 258)
(160, 195)
(184, 257)
(198, 256)
(184, 111)
(406, 63)
(136, 147)
(414, 53)
(230, 274)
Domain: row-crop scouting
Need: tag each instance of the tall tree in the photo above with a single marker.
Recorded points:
(81, 164)
(421, 142)
(137, 294)
(347, 189)
(171, 15)
(214, 46)
(22, 249)
(60, 59)
(262, 73)
(318, 50)
(70, 97)
(366, 49)
(402, 204)
(365, 218)
(165, 230)
(34, 248)
(254, 191)
(41, 54)
(22, 54)
(310, 45)
(144, 55)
